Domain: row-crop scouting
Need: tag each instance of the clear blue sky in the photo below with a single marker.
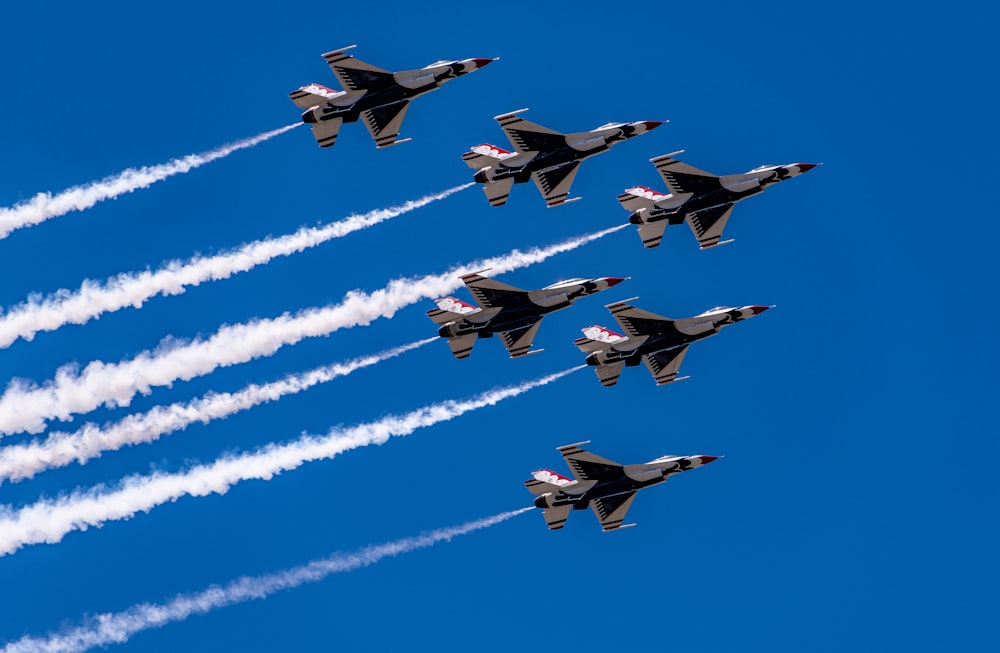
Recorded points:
(855, 507)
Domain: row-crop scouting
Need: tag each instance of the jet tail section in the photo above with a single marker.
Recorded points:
(639, 197)
(450, 309)
(651, 233)
(462, 345)
(597, 338)
(313, 95)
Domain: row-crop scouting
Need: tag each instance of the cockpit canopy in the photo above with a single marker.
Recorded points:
(567, 282)
(443, 62)
(717, 309)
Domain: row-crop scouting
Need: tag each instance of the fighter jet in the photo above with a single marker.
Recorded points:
(698, 197)
(513, 313)
(657, 341)
(378, 96)
(548, 158)
(606, 486)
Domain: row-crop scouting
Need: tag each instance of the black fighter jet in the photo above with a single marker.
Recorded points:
(700, 198)
(657, 341)
(607, 487)
(548, 158)
(513, 313)
(377, 96)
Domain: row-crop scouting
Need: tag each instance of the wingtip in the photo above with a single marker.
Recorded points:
(474, 274)
(575, 444)
(620, 302)
(510, 114)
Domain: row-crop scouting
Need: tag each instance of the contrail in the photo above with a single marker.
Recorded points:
(49, 520)
(25, 406)
(79, 198)
(118, 627)
(134, 288)
(21, 461)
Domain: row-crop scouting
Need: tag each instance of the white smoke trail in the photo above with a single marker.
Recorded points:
(21, 461)
(49, 520)
(79, 198)
(118, 627)
(133, 289)
(26, 407)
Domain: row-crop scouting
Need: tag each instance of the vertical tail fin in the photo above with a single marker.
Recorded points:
(484, 155)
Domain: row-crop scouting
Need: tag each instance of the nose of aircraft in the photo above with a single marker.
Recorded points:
(805, 167)
(757, 310)
(481, 63)
(614, 281)
(707, 459)
(652, 124)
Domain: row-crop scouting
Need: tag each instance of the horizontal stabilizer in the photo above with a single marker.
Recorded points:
(608, 374)
(461, 346)
(651, 233)
(325, 132)
(497, 192)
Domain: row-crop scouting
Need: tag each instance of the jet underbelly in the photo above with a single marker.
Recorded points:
(560, 157)
(511, 319)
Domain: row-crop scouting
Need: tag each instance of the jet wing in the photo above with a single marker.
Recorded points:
(518, 341)
(608, 374)
(665, 364)
(326, 131)
(383, 123)
(707, 225)
(556, 517)
(356, 75)
(589, 467)
(497, 192)
(684, 179)
(637, 322)
(490, 293)
(554, 184)
(611, 511)
(528, 137)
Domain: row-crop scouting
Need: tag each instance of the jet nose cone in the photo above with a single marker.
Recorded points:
(707, 459)
(805, 167)
(652, 124)
(614, 281)
(482, 63)
(757, 310)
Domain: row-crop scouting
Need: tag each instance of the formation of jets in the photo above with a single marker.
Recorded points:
(551, 160)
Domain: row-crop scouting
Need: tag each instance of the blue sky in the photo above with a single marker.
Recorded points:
(855, 505)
